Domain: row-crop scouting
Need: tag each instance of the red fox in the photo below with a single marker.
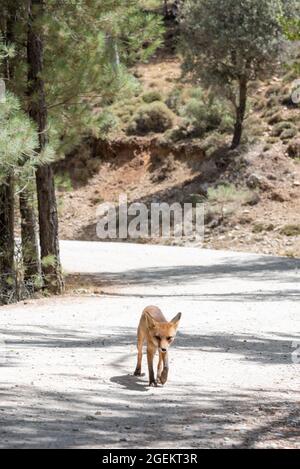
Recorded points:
(159, 335)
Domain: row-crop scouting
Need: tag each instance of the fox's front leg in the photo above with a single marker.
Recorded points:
(164, 374)
(150, 357)
(159, 367)
(138, 370)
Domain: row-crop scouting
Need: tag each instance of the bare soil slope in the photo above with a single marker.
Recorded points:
(151, 169)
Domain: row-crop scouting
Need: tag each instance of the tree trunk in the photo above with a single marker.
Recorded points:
(240, 113)
(7, 241)
(166, 9)
(30, 249)
(48, 220)
(7, 202)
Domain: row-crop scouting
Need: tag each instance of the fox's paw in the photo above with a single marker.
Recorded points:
(153, 383)
(138, 372)
(164, 376)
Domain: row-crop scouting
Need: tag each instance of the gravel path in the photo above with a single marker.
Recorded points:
(66, 363)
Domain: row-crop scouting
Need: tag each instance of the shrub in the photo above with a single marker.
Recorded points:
(197, 93)
(206, 116)
(288, 134)
(212, 143)
(290, 230)
(227, 193)
(155, 117)
(63, 182)
(151, 97)
(275, 118)
(280, 127)
(225, 198)
(174, 100)
(178, 133)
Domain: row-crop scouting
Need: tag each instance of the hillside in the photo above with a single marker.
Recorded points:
(260, 211)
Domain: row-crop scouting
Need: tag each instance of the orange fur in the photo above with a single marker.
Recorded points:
(158, 334)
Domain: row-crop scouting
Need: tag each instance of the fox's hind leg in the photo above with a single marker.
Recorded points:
(140, 343)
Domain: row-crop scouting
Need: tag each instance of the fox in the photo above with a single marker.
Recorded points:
(159, 334)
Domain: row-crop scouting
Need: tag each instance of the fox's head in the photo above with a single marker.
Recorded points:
(163, 333)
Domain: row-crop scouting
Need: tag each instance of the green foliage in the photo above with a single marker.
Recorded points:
(155, 117)
(226, 44)
(291, 28)
(152, 96)
(225, 198)
(288, 134)
(212, 143)
(107, 122)
(49, 261)
(88, 46)
(290, 230)
(151, 4)
(174, 100)
(224, 194)
(63, 182)
(207, 116)
(18, 140)
(279, 128)
(223, 40)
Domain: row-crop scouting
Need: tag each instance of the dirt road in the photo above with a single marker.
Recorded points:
(66, 363)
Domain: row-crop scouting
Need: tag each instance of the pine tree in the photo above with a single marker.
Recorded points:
(18, 140)
(70, 63)
(30, 251)
(48, 219)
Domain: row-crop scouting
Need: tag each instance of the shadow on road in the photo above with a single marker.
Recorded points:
(201, 419)
(264, 268)
(130, 382)
(276, 349)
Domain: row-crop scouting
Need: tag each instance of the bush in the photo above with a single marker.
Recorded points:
(155, 117)
(63, 182)
(275, 118)
(225, 198)
(288, 134)
(174, 100)
(207, 116)
(212, 143)
(279, 128)
(151, 97)
(226, 193)
(290, 230)
(180, 132)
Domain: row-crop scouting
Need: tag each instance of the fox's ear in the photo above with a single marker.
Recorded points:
(176, 320)
(151, 323)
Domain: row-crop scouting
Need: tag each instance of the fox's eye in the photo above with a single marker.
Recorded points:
(157, 337)
(169, 338)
